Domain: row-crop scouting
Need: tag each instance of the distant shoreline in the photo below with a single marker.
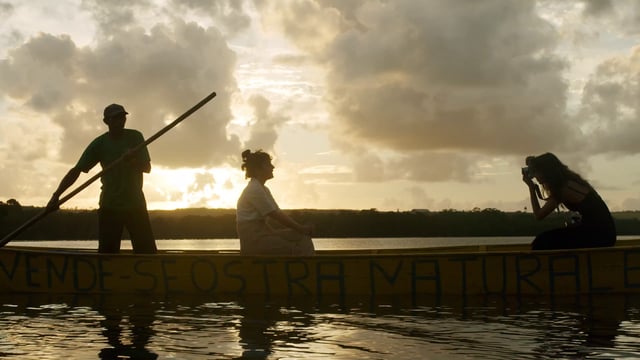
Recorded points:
(72, 224)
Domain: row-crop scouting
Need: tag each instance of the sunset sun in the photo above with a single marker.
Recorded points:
(184, 188)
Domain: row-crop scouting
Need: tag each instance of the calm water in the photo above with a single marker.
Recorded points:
(130, 327)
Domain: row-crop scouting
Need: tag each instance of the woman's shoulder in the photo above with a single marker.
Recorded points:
(575, 191)
(580, 186)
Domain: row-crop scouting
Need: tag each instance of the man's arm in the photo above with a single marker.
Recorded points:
(138, 161)
(66, 182)
(146, 167)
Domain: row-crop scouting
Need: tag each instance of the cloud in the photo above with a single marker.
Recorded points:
(412, 91)
(597, 7)
(424, 82)
(6, 9)
(610, 107)
(264, 130)
(432, 166)
(620, 15)
(201, 190)
(39, 72)
(114, 16)
(419, 166)
(229, 14)
(156, 74)
(21, 163)
(369, 167)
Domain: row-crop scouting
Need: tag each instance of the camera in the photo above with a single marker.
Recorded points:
(526, 171)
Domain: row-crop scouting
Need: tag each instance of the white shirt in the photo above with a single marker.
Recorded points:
(255, 202)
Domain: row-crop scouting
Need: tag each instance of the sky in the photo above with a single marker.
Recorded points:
(392, 105)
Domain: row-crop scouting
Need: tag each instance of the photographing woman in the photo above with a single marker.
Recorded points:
(564, 187)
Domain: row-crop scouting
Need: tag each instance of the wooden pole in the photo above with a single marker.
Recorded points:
(45, 212)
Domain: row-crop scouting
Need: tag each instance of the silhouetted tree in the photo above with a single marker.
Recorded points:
(13, 202)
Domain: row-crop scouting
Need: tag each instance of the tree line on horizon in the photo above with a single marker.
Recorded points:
(204, 223)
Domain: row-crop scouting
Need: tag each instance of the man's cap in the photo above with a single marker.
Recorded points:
(113, 110)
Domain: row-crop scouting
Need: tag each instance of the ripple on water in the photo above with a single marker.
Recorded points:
(33, 327)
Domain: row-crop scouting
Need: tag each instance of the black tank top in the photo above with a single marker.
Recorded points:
(593, 209)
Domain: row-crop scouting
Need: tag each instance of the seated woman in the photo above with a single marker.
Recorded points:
(256, 205)
(565, 187)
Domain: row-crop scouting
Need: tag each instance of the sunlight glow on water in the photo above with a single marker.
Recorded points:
(320, 244)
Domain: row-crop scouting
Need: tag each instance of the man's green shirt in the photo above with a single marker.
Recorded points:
(122, 184)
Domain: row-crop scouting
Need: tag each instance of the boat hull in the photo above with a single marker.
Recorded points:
(471, 270)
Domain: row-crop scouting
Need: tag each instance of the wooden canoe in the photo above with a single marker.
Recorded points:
(461, 270)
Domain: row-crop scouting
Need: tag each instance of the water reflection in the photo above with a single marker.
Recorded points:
(256, 329)
(275, 323)
(133, 314)
(142, 327)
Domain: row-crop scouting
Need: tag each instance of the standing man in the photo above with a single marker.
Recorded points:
(122, 202)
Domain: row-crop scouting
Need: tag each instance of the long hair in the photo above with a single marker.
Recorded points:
(553, 173)
(252, 161)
